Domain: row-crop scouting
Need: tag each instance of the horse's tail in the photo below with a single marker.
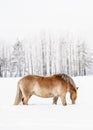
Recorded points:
(18, 97)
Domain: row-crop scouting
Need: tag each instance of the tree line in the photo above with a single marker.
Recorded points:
(45, 56)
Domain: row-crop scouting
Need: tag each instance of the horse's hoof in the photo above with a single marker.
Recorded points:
(64, 104)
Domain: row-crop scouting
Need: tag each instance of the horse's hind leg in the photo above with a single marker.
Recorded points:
(55, 100)
(25, 100)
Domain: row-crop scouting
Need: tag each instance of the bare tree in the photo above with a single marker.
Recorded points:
(17, 59)
(45, 55)
(43, 44)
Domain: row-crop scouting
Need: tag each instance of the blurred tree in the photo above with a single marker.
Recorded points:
(17, 59)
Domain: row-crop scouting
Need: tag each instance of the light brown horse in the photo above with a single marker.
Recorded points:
(54, 86)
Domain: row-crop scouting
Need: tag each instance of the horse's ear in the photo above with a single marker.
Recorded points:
(77, 88)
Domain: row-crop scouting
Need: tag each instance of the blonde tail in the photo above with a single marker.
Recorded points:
(18, 97)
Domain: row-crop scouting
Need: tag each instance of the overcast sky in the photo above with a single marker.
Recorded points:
(21, 18)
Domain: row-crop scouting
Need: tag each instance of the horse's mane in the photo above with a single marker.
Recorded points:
(66, 78)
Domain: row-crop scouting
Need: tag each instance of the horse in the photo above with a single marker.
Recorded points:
(55, 86)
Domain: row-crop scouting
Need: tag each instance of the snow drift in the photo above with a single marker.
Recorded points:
(41, 114)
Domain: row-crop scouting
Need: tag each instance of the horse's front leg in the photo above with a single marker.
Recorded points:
(63, 99)
(73, 97)
(55, 100)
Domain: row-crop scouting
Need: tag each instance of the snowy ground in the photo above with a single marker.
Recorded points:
(41, 114)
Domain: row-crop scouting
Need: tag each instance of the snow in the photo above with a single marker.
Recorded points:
(41, 114)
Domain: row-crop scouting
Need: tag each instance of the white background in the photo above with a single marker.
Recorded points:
(22, 18)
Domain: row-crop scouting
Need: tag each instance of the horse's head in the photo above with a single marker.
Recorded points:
(73, 95)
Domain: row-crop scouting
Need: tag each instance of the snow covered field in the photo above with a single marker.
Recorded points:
(40, 114)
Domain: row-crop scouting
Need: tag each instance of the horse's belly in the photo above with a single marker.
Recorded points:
(46, 92)
(42, 92)
(44, 95)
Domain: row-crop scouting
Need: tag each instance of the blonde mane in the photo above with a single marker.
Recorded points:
(66, 78)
